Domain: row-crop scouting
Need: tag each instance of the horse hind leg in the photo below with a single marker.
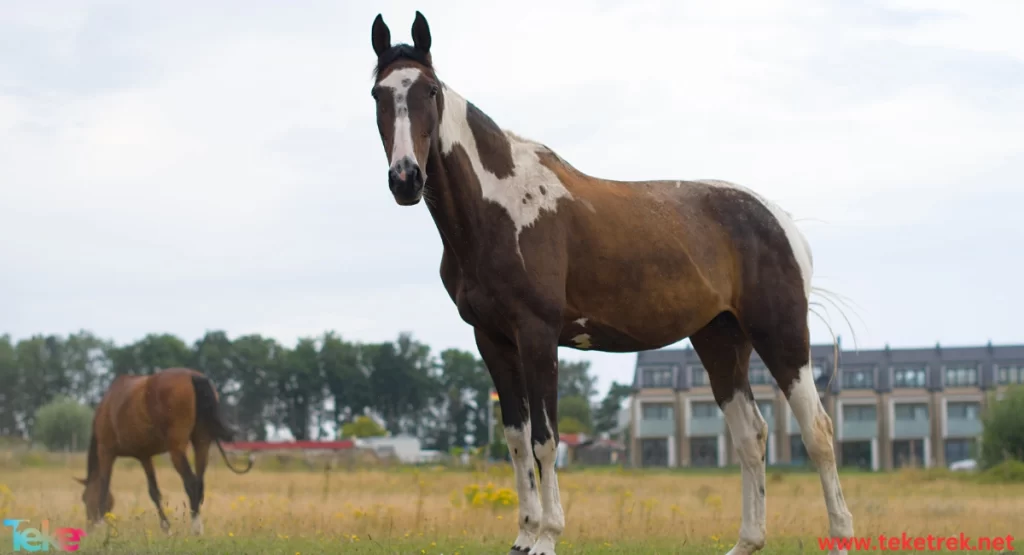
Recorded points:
(154, 492)
(785, 349)
(724, 350)
(191, 482)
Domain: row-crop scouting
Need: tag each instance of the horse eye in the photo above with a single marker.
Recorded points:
(433, 90)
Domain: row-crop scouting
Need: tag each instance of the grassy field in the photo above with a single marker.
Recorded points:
(435, 510)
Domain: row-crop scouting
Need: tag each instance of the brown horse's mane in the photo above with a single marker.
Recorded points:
(401, 52)
(93, 460)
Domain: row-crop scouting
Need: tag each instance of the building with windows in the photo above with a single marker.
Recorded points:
(889, 407)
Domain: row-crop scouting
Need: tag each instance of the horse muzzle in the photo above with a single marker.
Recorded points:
(406, 179)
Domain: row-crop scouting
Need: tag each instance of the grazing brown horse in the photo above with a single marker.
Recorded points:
(143, 416)
(538, 254)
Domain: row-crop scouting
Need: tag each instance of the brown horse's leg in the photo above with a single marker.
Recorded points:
(154, 491)
(106, 470)
(538, 351)
(786, 351)
(502, 361)
(724, 350)
(201, 448)
(180, 460)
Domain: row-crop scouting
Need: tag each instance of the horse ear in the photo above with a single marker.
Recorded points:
(421, 33)
(380, 35)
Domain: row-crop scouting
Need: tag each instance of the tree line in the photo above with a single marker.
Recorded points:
(310, 388)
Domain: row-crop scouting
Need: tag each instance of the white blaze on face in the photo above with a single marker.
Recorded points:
(400, 81)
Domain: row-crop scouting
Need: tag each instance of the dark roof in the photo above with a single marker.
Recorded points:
(866, 357)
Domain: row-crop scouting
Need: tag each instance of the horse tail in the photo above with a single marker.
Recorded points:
(208, 414)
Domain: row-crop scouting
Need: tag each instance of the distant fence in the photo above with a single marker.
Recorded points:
(290, 445)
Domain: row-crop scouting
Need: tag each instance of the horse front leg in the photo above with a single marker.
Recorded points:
(538, 351)
(502, 360)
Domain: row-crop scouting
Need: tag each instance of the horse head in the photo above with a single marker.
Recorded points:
(407, 94)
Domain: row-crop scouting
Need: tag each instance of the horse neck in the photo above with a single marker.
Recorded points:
(454, 199)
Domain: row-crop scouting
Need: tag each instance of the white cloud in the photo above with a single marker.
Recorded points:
(209, 166)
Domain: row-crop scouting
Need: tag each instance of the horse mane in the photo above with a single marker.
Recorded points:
(402, 51)
(93, 460)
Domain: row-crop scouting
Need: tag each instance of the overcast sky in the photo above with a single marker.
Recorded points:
(188, 166)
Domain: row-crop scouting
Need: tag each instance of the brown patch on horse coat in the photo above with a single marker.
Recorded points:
(492, 145)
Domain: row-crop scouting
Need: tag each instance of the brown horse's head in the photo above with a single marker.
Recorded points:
(408, 107)
(91, 498)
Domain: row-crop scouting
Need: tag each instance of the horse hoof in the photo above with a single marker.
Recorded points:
(517, 551)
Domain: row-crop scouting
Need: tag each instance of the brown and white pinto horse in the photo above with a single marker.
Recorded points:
(538, 254)
(143, 416)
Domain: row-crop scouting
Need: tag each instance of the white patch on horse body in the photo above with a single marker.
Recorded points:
(749, 433)
(581, 321)
(519, 194)
(400, 81)
(816, 431)
(582, 341)
(797, 242)
(521, 453)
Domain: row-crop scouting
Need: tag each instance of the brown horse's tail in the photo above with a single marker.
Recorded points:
(208, 414)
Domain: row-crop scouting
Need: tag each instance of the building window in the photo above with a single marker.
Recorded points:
(699, 376)
(1011, 374)
(657, 411)
(961, 376)
(963, 411)
(858, 379)
(911, 411)
(654, 452)
(908, 453)
(759, 375)
(656, 377)
(959, 449)
(797, 450)
(860, 413)
(909, 377)
(704, 451)
(704, 409)
(856, 454)
(767, 409)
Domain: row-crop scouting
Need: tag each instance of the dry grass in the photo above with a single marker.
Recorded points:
(410, 508)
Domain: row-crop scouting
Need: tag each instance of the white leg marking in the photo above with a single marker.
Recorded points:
(816, 431)
(521, 453)
(531, 188)
(749, 433)
(399, 81)
(553, 521)
(197, 525)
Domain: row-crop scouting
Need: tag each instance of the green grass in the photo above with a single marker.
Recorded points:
(434, 546)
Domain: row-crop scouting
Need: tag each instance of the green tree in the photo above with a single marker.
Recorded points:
(606, 418)
(10, 376)
(1003, 433)
(42, 375)
(571, 425)
(403, 382)
(575, 408)
(150, 354)
(363, 426)
(63, 424)
(300, 386)
(575, 380)
(346, 376)
(257, 361)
